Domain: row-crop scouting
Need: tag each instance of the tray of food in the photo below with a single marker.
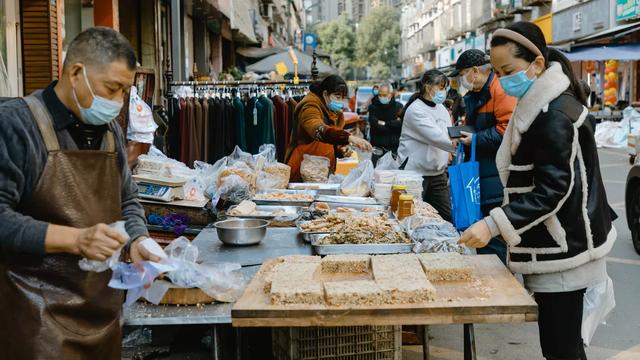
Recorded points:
(347, 199)
(372, 224)
(249, 210)
(285, 197)
(323, 244)
(320, 188)
(349, 208)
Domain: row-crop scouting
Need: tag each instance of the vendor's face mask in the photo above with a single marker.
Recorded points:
(101, 111)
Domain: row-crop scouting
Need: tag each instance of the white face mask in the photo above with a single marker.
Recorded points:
(466, 83)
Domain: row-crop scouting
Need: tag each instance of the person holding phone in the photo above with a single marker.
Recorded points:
(425, 146)
(489, 110)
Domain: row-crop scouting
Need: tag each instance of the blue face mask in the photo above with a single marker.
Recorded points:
(440, 97)
(102, 111)
(517, 84)
(384, 100)
(336, 106)
(375, 92)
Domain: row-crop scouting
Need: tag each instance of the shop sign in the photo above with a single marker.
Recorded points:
(627, 9)
(577, 21)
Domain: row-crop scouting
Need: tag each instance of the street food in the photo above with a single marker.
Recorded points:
(345, 263)
(446, 266)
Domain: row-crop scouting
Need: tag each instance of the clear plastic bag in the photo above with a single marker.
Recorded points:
(207, 175)
(598, 303)
(237, 155)
(387, 162)
(239, 169)
(266, 155)
(274, 176)
(363, 155)
(432, 235)
(315, 169)
(112, 261)
(359, 180)
(233, 190)
(336, 179)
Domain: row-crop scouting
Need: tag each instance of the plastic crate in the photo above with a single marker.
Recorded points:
(348, 342)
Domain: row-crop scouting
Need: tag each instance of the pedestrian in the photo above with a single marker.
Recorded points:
(318, 126)
(425, 146)
(63, 176)
(384, 120)
(455, 103)
(556, 219)
(489, 110)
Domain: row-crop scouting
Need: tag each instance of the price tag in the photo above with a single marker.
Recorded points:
(255, 116)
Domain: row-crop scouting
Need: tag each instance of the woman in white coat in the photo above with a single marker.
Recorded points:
(425, 145)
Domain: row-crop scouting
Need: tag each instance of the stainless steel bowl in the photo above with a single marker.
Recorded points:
(241, 232)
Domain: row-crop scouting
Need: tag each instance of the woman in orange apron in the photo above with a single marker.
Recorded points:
(318, 126)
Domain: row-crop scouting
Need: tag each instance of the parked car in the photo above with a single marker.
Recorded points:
(404, 97)
(632, 204)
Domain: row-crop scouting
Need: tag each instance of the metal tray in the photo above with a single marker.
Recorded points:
(289, 210)
(314, 194)
(334, 206)
(371, 249)
(320, 188)
(347, 199)
(308, 236)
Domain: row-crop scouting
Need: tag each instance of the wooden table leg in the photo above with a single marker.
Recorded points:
(469, 342)
(425, 343)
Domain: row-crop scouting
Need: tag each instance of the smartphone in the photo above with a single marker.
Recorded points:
(455, 131)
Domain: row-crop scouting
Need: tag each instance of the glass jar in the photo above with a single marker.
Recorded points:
(405, 206)
(396, 191)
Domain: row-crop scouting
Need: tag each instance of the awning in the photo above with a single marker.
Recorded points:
(258, 53)
(600, 53)
(617, 31)
(304, 64)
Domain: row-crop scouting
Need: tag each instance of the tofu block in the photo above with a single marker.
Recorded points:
(300, 258)
(393, 267)
(359, 292)
(345, 263)
(286, 292)
(402, 291)
(446, 266)
(293, 271)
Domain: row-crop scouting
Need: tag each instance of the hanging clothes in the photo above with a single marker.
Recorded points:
(238, 120)
(280, 124)
(265, 124)
(204, 135)
(230, 126)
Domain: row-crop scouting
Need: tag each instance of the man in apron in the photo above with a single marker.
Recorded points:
(63, 177)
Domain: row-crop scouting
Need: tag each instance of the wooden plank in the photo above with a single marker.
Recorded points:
(494, 296)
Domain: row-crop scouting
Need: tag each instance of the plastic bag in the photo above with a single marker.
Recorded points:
(432, 235)
(363, 155)
(141, 126)
(233, 190)
(207, 176)
(100, 266)
(237, 155)
(242, 170)
(598, 303)
(274, 176)
(358, 182)
(315, 169)
(387, 162)
(266, 155)
(336, 179)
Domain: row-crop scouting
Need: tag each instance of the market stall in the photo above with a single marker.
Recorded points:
(307, 250)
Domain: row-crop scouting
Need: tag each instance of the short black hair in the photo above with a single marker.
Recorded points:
(333, 84)
(100, 46)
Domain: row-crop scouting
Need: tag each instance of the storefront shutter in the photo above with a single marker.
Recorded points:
(39, 43)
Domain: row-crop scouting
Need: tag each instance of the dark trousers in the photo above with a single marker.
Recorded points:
(495, 246)
(436, 193)
(560, 325)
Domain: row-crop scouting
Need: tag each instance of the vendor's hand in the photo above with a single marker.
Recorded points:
(138, 253)
(466, 137)
(360, 143)
(346, 151)
(99, 242)
(477, 236)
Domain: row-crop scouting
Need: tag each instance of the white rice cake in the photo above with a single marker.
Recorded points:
(287, 292)
(358, 292)
(292, 271)
(402, 291)
(345, 263)
(397, 267)
(300, 258)
(446, 266)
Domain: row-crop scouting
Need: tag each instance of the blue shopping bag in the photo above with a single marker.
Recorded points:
(464, 178)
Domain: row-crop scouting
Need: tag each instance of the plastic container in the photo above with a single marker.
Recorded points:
(405, 206)
(396, 191)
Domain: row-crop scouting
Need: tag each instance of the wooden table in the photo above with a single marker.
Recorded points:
(456, 303)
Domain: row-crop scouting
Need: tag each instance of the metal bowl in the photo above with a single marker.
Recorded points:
(241, 232)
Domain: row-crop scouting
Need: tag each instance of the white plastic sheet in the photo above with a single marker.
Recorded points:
(598, 303)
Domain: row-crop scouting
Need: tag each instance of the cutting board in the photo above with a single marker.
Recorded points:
(493, 296)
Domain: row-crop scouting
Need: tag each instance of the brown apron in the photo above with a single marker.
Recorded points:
(49, 308)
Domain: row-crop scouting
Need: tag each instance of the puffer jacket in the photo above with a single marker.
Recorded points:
(555, 215)
(489, 111)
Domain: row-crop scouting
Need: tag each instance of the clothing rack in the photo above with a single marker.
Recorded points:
(236, 84)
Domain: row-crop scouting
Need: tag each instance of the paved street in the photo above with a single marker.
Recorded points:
(619, 339)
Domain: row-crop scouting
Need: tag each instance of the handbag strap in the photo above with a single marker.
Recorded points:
(473, 147)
